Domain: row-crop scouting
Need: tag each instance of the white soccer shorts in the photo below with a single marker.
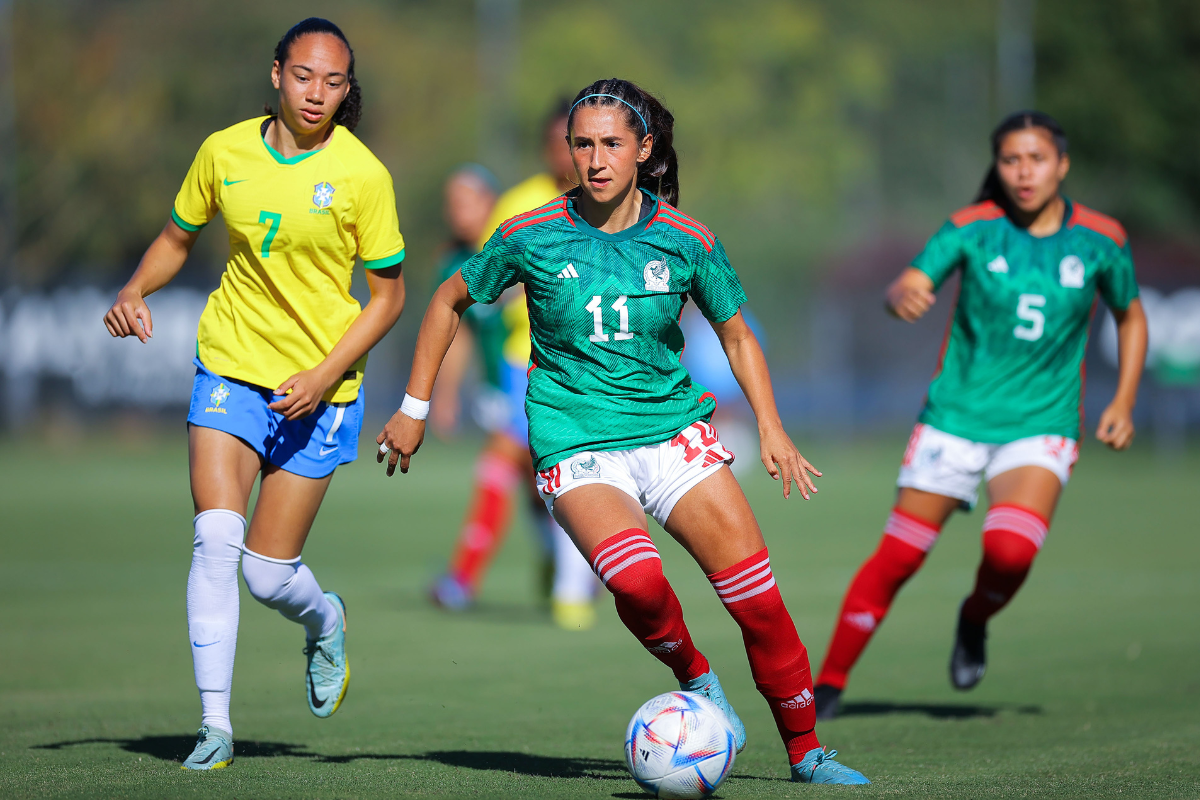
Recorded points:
(942, 463)
(655, 475)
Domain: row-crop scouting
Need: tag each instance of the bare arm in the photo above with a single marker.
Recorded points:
(749, 366)
(403, 435)
(305, 390)
(444, 406)
(910, 295)
(1116, 423)
(129, 315)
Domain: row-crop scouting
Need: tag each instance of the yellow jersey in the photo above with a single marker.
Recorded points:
(525, 196)
(295, 225)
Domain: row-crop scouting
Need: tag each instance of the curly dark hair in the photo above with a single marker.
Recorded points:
(660, 172)
(350, 111)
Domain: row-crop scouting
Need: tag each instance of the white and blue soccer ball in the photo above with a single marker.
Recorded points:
(679, 745)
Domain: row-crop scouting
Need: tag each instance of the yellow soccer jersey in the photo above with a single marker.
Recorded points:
(295, 226)
(525, 196)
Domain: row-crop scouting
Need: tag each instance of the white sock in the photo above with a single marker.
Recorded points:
(212, 610)
(288, 586)
(574, 581)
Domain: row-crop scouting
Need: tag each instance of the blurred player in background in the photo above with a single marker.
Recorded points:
(281, 350)
(617, 427)
(1006, 401)
(500, 333)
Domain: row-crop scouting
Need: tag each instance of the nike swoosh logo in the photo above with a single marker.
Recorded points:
(313, 692)
(231, 183)
(210, 644)
(327, 450)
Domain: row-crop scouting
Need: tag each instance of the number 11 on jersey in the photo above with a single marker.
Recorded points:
(595, 307)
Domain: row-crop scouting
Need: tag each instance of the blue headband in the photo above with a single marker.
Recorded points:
(645, 127)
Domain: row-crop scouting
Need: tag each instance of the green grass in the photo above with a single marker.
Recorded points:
(1093, 689)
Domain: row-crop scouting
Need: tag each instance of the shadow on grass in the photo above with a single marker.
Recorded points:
(874, 708)
(530, 613)
(176, 748)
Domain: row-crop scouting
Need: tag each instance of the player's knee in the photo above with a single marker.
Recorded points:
(267, 578)
(218, 534)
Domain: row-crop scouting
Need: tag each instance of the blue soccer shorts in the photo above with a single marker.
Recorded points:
(311, 447)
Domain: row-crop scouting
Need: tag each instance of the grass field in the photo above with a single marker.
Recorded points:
(1093, 688)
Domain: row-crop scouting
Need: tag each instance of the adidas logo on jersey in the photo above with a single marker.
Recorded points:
(569, 272)
(799, 701)
(998, 264)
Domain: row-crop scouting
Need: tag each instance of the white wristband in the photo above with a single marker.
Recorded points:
(414, 408)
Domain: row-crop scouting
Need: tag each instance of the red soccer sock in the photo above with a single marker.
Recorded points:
(629, 565)
(487, 520)
(1012, 537)
(906, 541)
(778, 659)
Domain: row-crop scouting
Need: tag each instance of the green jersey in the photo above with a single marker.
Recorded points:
(486, 322)
(604, 315)
(1012, 361)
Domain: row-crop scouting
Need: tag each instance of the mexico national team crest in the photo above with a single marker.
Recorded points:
(1070, 272)
(585, 468)
(658, 277)
(323, 195)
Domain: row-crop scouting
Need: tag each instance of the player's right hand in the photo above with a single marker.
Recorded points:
(400, 439)
(129, 316)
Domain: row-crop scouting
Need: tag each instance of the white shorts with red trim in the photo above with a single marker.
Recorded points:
(656, 475)
(942, 463)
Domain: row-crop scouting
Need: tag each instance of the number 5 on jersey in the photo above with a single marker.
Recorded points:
(1027, 310)
(598, 318)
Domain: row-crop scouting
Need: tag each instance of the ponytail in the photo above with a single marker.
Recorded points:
(1021, 120)
(658, 174)
(349, 112)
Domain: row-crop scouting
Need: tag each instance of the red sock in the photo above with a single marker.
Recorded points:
(630, 567)
(778, 659)
(1012, 537)
(906, 540)
(487, 520)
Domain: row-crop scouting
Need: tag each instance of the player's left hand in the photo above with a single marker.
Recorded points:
(399, 440)
(781, 458)
(303, 393)
(1116, 427)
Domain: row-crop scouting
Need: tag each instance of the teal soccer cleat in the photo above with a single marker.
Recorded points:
(709, 687)
(214, 750)
(819, 767)
(328, 674)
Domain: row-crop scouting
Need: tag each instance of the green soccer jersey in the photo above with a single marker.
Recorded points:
(1012, 362)
(604, 315)
(486, 322)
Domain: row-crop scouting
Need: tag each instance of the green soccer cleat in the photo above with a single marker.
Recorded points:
(328, 674)
(709, 687)
(819, 767)
(214, 750)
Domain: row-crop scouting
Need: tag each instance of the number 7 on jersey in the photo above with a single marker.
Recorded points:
(274, 219)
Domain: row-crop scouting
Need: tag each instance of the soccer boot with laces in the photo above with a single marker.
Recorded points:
(707, 685)
(828, 699)
(328, 673)
(968, 661)
(214, 750)
(819, 767)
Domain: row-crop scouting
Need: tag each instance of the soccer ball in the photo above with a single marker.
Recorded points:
(679, 745)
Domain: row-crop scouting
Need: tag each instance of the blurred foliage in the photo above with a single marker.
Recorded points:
(803, 127)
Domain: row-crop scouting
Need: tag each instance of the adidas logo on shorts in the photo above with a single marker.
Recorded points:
(569, 272)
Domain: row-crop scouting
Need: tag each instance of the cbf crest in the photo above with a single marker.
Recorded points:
(658, 277)
(217, 397)
(323, 195)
